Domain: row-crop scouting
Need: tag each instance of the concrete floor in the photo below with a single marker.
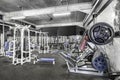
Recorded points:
(40, 71)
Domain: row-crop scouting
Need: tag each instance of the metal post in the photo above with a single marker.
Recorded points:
(39, 42)
(47, 43)
(42, 41)
(29, 45)
(35, 38)
(14, 50)
(3, 41)
(22, 39)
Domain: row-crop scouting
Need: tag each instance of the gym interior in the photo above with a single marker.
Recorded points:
(59, 39)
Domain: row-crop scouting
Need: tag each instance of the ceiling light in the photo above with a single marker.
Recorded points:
(19, 17)
(62, 14)
(30, 13)
(35, 12)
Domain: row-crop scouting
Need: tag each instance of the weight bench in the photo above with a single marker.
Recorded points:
(45, 60)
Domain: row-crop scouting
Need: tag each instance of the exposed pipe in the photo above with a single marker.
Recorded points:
(6, 23)
(92, 10)
(61, 25)
(27, 22)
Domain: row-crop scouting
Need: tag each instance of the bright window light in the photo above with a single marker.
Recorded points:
(62, 14)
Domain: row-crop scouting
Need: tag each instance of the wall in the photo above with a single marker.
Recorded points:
(63, 31)
(112, 49)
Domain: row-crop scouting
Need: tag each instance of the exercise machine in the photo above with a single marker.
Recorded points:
(91, 58)
(19, 49)
(44, 42)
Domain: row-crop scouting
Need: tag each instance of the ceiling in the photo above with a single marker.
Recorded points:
(49, 19)
(7, 6)
(16, 5)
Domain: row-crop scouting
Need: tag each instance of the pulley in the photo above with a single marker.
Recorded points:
(101, 33)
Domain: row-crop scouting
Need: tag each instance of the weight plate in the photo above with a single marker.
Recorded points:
(99, 63)
(101, 33)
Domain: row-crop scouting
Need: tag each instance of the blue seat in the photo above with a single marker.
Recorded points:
(47, 60)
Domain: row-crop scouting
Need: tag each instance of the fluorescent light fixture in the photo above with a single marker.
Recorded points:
(35, 12)
(30, 13)
(62, 14)
(19, 17)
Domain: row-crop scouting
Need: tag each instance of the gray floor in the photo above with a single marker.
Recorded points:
(40, 71)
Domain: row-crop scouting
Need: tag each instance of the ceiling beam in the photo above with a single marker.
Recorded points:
(82, 7)
(60, 25)
(27, 22)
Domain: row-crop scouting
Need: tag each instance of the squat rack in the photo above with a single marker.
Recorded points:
(2, 36)
(22, 59)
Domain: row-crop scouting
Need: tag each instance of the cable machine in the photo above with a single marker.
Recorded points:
(25, 45)
(43, 41)
(21, 47)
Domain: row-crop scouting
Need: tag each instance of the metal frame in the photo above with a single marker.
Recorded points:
(37, 40)
(21, 60)
(2, 41)
(41, 40)
(27, 59)
(83, 68)
(44, 42)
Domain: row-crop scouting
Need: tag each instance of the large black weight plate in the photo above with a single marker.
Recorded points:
(101, 33)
